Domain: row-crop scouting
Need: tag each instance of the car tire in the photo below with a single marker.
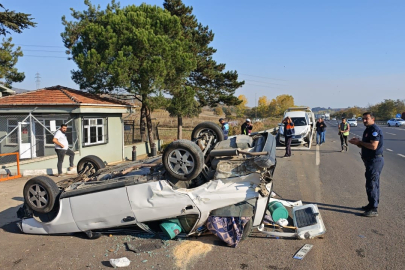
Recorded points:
(388, 124)
(89, 165)
(178, 168)
(40, 194)
(207, 127)
(397, 125)
(247, 230)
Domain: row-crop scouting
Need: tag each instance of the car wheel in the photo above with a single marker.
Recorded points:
(183, 160)
(397, 125)
(247, 229)
(40, 194)
(89, 165)
(207, 128)
(389, 124)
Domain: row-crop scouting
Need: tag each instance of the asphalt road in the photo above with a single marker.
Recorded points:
(322, 175)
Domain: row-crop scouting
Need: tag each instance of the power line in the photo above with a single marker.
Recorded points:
(40, 46)
(263, 86)
(41, 51)
(264, 82)
(45, 56)
(263, 77)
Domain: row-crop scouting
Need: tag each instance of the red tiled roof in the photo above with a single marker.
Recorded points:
(59, 95)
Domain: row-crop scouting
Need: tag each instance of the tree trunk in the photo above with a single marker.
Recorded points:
(179, 127)
(142, 124)
(149, 126)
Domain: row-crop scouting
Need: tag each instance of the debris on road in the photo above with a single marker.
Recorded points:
(302, 252)
(121, 262)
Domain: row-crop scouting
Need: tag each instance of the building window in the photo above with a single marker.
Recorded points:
(59, 122)
(94, 131)
(12, 138)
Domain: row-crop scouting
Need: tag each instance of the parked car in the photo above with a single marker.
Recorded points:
(352, 122)
(359, 119)
(189, 182)
(396, 122)
(304, 121)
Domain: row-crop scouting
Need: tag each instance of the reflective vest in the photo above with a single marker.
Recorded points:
(345, 127)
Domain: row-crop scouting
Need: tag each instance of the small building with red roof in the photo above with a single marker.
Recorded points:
(28, 121)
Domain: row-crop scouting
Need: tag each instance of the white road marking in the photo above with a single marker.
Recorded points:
(389, 150)
(401, 155)
(390, 133)
(317, 156)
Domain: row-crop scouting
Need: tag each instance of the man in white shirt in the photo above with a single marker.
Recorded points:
(62, 148)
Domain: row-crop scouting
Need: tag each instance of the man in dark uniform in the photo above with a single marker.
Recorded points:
(372, 154)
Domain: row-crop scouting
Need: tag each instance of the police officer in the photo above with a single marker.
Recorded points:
(372, 154)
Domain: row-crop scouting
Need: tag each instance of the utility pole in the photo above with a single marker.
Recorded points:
(38, 81)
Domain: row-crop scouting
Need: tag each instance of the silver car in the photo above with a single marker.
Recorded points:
(192, 180)
(352, 122)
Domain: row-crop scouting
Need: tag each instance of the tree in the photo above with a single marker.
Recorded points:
(8, 59)
(263, 106)
(241, 107)
(140, 49)
(218, 111)
(14, 21)
(284, 102)
(212, 85)
(183, 105)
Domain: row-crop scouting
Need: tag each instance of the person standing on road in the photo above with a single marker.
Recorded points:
(225, 128)
(62, 148)
(344, 130)
(320, 131)
(246, 127)
(289, 132)
(372, 154)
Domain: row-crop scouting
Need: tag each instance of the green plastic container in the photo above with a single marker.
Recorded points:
(171, 227)
(277, 211)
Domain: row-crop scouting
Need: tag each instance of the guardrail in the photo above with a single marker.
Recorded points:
(6, 175)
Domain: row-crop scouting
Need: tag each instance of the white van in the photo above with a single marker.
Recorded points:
(304, 122)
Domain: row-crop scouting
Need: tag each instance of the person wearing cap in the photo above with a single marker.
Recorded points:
(247, 127)
(225, 128)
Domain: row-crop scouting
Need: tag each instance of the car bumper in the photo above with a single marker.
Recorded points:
(297, 140)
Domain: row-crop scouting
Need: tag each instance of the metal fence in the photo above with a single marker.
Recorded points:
(31, 135)
(133, 133)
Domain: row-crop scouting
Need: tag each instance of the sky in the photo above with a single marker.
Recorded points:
(324, 53)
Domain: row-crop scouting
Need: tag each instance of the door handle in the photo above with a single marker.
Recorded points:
(128, 219)
(189, 207)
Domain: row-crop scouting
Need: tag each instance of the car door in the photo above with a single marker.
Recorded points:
(103, 208)
(157, 200)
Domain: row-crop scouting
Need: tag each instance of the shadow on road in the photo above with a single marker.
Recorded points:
(336, 208)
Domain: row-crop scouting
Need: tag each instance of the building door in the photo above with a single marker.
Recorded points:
(39, 142)
(25, 139)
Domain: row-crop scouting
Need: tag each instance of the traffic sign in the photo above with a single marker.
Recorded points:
(398, 115)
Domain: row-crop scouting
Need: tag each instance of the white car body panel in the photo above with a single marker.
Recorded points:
(101, 209)
(158, 200)
(62, 223)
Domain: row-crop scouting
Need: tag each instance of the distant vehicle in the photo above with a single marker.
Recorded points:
(304, 121)
(334, 119)
(359, 118)
(396, 122)
(352, 122)
(327, 116)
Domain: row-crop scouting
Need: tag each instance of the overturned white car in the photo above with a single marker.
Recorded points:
(191, 182)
